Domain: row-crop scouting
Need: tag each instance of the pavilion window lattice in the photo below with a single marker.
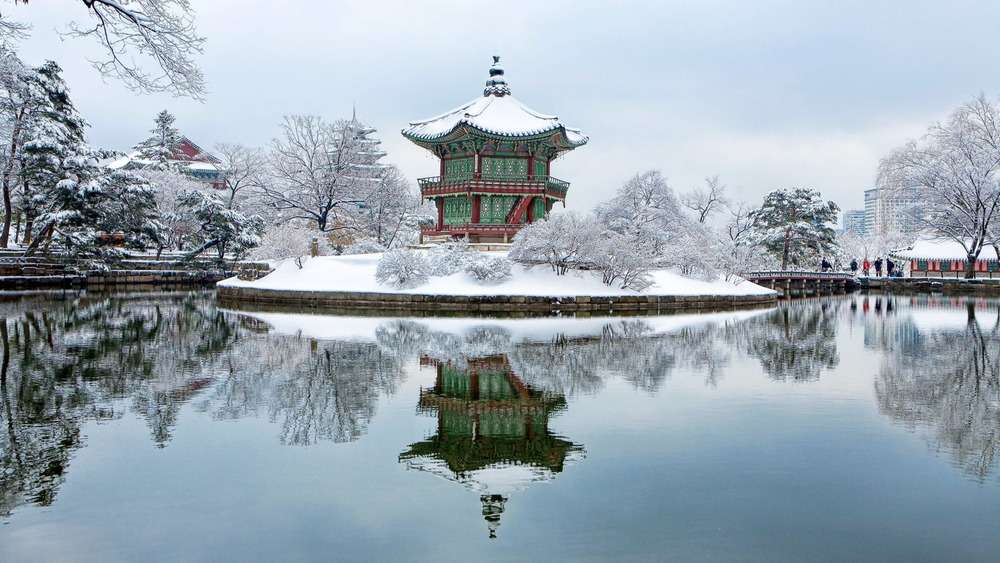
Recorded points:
(494, 168)
(458, 169)
(457, 210)
(493, 210)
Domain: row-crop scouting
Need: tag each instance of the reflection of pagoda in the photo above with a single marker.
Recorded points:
(492, 434)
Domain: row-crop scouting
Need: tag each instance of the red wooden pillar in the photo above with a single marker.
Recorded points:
(530, 213)
(479, 166)
(439, 202)
(475, 208)
(531, 167)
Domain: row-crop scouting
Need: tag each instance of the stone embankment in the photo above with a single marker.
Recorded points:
(947, 286)
(241, 297)
(50, 271)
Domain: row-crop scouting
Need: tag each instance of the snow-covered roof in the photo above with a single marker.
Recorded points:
(939, 249)
(497, 112)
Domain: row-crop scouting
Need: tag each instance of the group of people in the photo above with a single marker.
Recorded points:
(866, 267)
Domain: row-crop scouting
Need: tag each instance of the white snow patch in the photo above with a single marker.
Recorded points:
(356, 273)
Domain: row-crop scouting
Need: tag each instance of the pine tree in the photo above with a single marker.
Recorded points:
(226, 230)
(163, 141)
(797, 226)
(55, 134)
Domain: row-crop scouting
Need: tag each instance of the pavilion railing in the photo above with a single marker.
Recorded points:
(551, 185)
(793, 274)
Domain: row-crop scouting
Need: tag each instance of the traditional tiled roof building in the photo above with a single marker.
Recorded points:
(495, 158)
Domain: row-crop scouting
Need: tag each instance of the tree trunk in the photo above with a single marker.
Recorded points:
(784, 251)
(970, 266)
(8, 168)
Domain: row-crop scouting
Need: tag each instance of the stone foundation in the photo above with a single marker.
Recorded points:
(353, 302)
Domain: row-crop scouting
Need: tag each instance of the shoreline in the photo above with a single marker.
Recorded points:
(428, 304)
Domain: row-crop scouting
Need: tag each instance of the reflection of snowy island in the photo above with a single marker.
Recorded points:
(349, 282)
(492, 432)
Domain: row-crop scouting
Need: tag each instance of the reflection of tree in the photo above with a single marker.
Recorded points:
(492, 432)
(796, 341)
(948, 384)
(68, 361)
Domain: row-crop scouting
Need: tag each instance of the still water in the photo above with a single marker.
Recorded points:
(160, 427)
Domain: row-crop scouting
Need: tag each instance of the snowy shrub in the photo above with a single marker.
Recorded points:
(364, 246)
(562, 241)
(450, 258)
(491, 269)
(289, 240)
(402, 269)
(620, 262)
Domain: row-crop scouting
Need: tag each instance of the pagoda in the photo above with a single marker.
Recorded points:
(492, 432)
(495, 158)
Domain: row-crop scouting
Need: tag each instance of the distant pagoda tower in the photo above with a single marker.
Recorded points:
(359, 150)
(495, 159)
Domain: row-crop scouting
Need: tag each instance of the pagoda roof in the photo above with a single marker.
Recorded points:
(496, 113)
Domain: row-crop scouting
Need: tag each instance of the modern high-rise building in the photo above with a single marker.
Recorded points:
(892, 211)
(854, 221)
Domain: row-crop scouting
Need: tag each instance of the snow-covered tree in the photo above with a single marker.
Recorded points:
(290, 240)
(450, 258)
(55, 134)
(620, 262)
(243, 171)
(228, 231)
(707, 201)
(179, 224)
(387, 208)
(160, 30)
(21, 101)
(797, 226)
(315, 173)
(956, 167)
(89, 201)
(162, 142)
(402, 269)
(646, 212)
(562, 240)
(363, 246)
(489, 269)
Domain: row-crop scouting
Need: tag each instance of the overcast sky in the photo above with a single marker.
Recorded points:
(766, 94)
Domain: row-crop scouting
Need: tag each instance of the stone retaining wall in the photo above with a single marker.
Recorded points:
(117, 277)
(947, 286)
(355, 301)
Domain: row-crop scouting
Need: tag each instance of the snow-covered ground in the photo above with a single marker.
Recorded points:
(356, 273)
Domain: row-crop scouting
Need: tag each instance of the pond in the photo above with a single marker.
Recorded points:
(161, 427)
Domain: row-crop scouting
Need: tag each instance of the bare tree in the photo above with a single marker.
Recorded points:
(315, 173)
(956, 165)
(161, 30)
(706, 201)
(242, 172)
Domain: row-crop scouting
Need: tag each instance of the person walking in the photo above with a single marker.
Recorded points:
(825, 265)
(878, 267)
(866, 266)
(854, 266)
(889, 267)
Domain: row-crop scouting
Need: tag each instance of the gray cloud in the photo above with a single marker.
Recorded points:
(766, 94)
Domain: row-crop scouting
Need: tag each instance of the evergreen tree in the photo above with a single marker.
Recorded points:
(55, 134)
(163, 141)
(226, 230)
(797, 226)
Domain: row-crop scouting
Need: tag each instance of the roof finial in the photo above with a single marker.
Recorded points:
(496, 85)
(354, 112)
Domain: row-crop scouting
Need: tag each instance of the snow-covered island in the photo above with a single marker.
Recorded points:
(353, 279)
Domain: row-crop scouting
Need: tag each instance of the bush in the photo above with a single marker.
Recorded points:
(364, 246)
(491, 269)
(288, 240)
(402, 269)
(450, 258)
